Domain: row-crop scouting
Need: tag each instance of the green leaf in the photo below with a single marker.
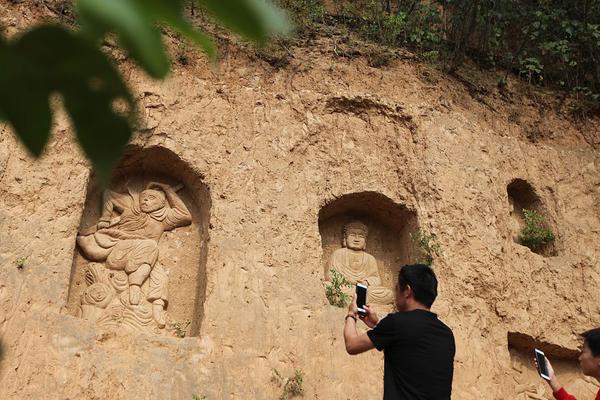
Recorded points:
(254, 19)
(196, 37)
(171, 13)
(50, 59)
(135, 27)
(24, 100)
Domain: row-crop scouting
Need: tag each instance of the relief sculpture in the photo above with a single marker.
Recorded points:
(126, 285)
(356, 265)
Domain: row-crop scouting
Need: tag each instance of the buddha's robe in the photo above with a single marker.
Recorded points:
(360, 266)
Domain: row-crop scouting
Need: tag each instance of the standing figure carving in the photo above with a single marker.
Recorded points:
(357, 265)
(126, 239)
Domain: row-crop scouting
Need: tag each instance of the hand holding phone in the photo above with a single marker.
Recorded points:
(542, 367)
(361, 298)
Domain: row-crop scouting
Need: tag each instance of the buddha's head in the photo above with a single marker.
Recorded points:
(355, 235)
(152, 200)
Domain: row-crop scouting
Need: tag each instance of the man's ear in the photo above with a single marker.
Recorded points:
(408, 292)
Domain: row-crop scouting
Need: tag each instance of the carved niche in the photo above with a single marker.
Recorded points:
(366, 238)
(522, 195)
(140, 242)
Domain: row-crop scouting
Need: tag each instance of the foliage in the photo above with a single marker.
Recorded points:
(196, 397)
(426, 245)
(292, 387)
(51, 60)
(547, 42)
(414, 24)
(180, 328)
(304, 12)
(535, 234)
(334, 290)
(20, 262)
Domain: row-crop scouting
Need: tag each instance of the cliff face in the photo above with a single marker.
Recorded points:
(272, 163)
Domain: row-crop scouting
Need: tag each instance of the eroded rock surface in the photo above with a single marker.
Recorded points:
(268, 149)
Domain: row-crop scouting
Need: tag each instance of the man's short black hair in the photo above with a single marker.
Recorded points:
(422, 280)
(592, 339)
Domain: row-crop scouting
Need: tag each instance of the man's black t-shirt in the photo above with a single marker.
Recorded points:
(419, 355)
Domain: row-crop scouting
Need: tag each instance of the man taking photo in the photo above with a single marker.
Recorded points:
(418, 348)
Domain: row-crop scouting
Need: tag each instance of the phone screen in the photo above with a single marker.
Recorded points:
(541, 363)
(361, 297)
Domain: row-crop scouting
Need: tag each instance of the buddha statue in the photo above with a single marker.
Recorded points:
(356, 265)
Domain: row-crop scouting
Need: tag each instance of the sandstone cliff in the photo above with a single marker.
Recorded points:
(276, 152)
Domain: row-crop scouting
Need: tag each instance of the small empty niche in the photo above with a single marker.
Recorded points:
(182, 251)
(521, 195)
(526, 343)
(564, 361)
(389, 227)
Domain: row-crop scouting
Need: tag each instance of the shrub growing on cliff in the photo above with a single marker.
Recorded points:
(293, 386)
(426, 245)
(180, 328)
(535, 234)
(20, 262)
(334, 290)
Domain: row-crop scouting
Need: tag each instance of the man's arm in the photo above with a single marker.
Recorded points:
(178, 215)
(355, 343)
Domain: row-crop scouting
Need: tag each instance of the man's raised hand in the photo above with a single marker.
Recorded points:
(370, 317)
(352, 307)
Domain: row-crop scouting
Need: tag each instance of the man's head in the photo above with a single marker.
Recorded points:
(152, 200)
(355, 235)
(590, 353)
(416, 287)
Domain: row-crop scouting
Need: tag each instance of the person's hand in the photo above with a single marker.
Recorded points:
(370, 317)
(353, 308)
(553, 382)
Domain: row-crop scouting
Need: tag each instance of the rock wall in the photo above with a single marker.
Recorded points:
(273, 149)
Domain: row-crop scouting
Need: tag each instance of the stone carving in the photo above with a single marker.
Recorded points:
(126, 284)
(357, 265)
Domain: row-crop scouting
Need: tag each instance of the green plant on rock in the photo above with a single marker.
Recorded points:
(293, 386)
(180, 328)
(535, 234)
(334, 290)
(531, 68)
(196, 397)
(426, 245)
(20, 262)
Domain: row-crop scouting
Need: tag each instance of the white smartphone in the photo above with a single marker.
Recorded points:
(540, 357)
(361, 298)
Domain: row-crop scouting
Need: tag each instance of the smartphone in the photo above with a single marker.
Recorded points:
(361, 298)
(540, 357)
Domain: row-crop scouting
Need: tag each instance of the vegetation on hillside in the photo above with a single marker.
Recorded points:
(546, 42)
